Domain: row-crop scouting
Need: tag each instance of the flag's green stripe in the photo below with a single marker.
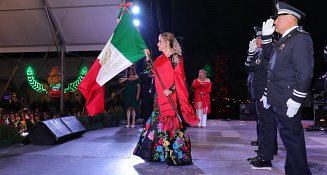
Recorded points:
(128, 40)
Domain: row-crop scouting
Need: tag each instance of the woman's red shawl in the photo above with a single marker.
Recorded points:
(170, 76)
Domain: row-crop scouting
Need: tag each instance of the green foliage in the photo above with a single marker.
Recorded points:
(9, 135)
(116, 115)
(98, 121)
(85, 121)
(107, 121)
(101, 120)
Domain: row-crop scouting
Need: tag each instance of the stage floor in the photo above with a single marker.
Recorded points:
(219, 149)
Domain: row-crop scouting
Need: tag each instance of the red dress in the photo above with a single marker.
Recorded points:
(165, 138)
(202, 101)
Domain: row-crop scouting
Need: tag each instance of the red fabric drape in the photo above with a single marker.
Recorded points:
(169, 77)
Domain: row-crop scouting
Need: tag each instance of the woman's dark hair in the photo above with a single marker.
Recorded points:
(132, 69)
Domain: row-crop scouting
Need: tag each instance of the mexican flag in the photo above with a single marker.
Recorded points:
(124, 48)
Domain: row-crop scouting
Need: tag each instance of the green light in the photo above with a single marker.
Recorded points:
(55, 86)
(38, 87)
(208, 68)
(72, 87)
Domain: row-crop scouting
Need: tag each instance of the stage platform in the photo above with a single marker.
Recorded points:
(219, 149)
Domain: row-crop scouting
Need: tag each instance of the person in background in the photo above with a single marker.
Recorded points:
(131, 95)
(253, 46)
(202, 89)
(257, 66)
(147, 93)
(165, 137)
(45, 116)
(290, 72)
(2, 116)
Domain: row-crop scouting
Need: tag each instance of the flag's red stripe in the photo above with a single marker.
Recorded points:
(92, 91)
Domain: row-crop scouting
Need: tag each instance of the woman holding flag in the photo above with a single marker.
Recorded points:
(165, 138)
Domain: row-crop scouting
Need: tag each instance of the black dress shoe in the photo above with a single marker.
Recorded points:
(255, 143)
(261, 164)
(251, 159)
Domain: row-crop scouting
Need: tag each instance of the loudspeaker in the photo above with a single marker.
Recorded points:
(74, 125)
(54, 131)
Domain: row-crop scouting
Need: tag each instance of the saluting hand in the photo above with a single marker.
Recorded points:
(252, 45)
(268, 27)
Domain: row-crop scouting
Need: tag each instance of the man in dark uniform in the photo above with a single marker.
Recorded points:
(147, 93)
(290, 72)
(252, 52)
(266, 127)
(250, 66)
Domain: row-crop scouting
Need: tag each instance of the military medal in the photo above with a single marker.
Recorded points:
(258, 61)
(281, 47)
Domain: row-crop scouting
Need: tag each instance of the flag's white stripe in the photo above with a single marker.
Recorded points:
(113, 66)
(104, 50)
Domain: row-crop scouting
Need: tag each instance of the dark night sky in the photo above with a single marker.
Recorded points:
(212, 28)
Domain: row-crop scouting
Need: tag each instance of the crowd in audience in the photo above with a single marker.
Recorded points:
(24, 119)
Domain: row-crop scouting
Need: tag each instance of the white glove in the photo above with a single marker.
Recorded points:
(252, 45)
(264, 101)
(292, 107)
(248, 59)
(268, 27)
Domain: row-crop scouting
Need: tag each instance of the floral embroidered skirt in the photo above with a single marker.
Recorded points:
(172, 146)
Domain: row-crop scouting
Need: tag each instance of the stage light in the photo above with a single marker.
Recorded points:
(136, 22)
(135, 9)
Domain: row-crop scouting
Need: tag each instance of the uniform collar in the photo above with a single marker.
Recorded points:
(289, 30)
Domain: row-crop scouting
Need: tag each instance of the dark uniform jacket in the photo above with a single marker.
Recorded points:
(257, 65)
(290, 68)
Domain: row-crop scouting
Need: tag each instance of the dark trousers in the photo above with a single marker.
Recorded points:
(292, 135)
(268, 133)
(257, 118)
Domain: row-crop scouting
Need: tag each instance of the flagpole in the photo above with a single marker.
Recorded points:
(163, 86)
